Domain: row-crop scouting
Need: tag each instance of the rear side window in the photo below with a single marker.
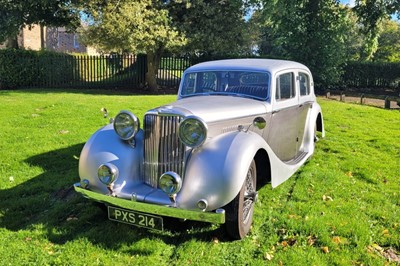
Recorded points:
(304, 80)
(285, 88)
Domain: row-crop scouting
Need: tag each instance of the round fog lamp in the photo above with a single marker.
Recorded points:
(107, 173)
(192, 131)
(126, 125)
(170, 183)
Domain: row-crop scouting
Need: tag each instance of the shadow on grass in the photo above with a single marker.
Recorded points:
(48, 204)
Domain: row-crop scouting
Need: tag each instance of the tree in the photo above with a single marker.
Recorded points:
(132, 26)
(14, 15)
(309, 31)
(212, 27)
(388, 42)
(371, 14)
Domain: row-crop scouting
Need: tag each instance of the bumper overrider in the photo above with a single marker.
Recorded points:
(217, 217)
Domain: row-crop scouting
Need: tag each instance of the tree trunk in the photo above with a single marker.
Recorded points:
(42, 38)
(12, 42)
(151, 73)
(153, 63)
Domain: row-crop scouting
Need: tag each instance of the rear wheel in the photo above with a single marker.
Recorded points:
(315, 132)
(239, 212)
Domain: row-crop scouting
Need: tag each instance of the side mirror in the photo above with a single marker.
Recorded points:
(259, 122)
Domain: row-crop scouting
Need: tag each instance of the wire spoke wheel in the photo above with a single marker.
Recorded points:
(239, 212)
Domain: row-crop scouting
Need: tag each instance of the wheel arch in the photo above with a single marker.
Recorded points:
(263, 166)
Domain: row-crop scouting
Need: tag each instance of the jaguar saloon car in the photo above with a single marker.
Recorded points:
(235, 124)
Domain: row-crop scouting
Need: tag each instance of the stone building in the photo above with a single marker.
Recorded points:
(52, 39)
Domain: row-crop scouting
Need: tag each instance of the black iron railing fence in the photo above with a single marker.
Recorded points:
(29, 69)
(24, 68)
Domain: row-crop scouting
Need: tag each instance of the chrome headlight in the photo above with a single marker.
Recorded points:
(193, 131)
(170, 183)
(126, 125)
(107, 173)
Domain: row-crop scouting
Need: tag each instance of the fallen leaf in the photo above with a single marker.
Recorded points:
(284, 244)
(292, 241)
(311, 240)
(391, 255)
(377, 247)
(349, 174)
(325, 249)
(336, 240)
(268, 256)
(63, 132)
(104, 111)
(326, 198)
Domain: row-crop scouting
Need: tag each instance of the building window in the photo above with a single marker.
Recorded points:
(76, 41)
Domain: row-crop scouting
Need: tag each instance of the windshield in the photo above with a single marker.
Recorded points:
(245, 83)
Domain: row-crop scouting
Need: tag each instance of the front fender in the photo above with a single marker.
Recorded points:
(216, 171)
(105, 146)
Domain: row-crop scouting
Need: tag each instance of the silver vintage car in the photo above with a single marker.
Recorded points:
(235, 123)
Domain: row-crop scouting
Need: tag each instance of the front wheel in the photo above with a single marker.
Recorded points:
(239, 212)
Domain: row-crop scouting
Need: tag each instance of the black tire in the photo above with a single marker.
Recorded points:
(315, 132)
(239, 212)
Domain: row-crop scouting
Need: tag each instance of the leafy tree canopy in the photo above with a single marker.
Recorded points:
(371, 14)
(212, 27)
(132, 26)
(389, 42)
(308, 31)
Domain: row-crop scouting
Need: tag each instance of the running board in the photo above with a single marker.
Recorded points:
(299, 158)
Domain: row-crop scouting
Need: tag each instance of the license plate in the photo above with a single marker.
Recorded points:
(135, 218)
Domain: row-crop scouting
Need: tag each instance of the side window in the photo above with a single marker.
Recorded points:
(304, 80)
(285, 88)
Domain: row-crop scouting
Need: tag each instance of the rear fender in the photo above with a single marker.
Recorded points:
(314, 123)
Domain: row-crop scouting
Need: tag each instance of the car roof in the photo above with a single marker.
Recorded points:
(254, 64)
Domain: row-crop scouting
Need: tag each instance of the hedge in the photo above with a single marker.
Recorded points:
(372, 75)
(26, 68)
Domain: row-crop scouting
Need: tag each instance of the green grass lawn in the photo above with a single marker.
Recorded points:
(341, 208)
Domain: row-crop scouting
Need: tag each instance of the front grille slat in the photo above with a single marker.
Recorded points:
(163, 151)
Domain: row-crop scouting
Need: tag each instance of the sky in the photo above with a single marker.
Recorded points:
(348, 2)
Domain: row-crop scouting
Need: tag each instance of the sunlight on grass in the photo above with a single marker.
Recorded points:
(342, 207)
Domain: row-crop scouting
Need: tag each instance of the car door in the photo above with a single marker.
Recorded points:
(283, 130)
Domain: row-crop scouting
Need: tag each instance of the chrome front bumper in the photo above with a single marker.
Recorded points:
(217, 217)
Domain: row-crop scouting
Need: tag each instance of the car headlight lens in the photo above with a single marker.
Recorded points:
(170, 183)
(126, 125)
(107, 173)
(193, 131)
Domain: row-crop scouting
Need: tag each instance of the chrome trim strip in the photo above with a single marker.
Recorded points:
(217, 217)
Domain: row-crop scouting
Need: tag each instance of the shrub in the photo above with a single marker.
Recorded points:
(372, 75)
(26, 68)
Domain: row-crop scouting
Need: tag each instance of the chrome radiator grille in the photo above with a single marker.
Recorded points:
(163, 151)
